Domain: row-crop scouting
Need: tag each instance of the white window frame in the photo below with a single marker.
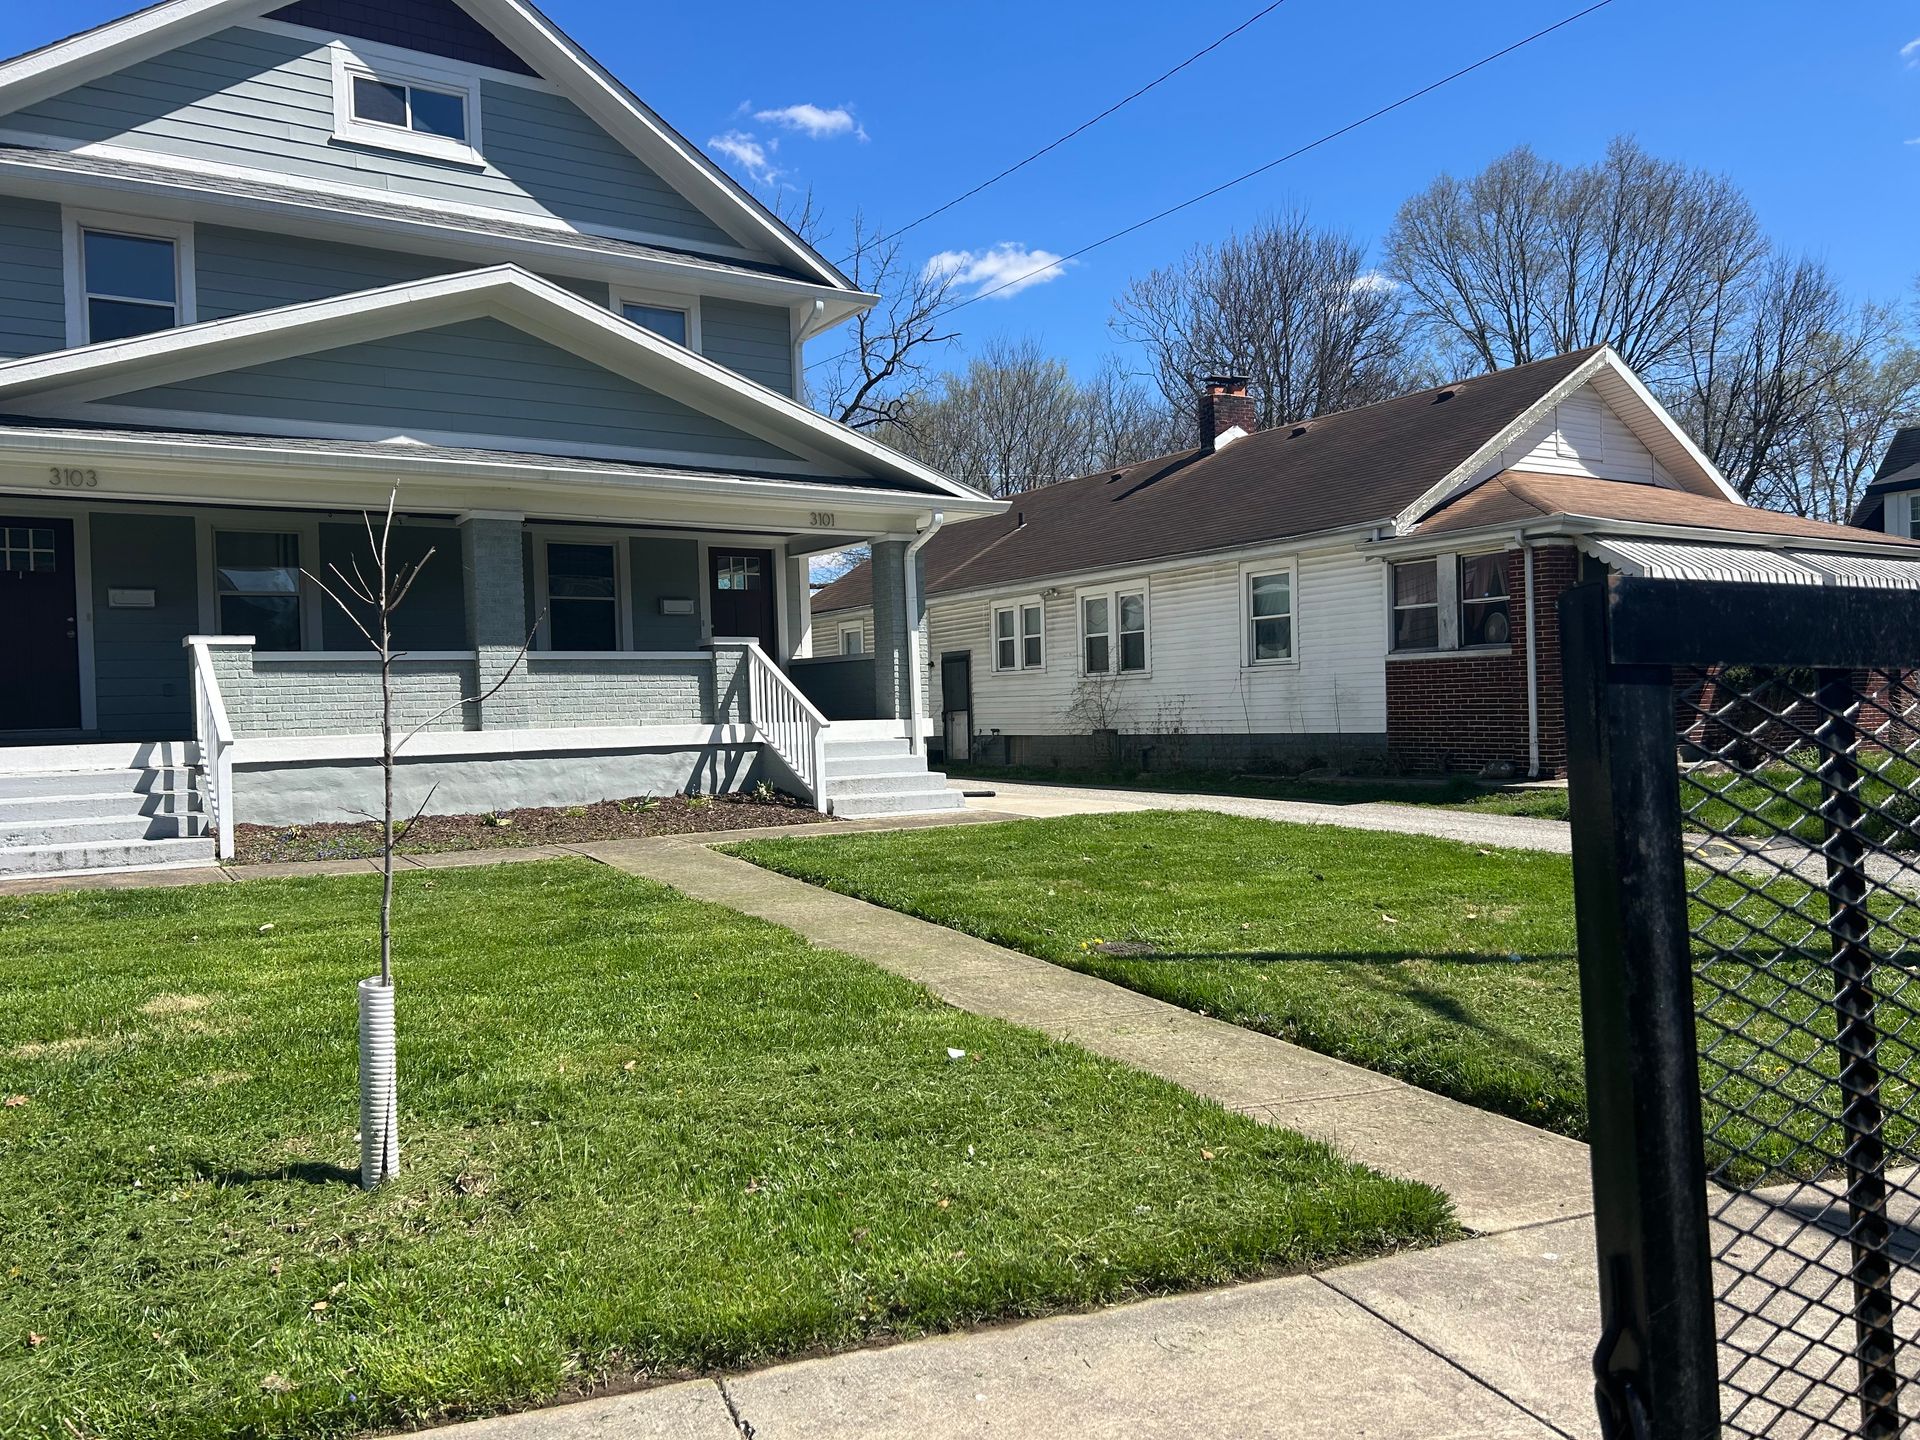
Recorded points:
(1460, 603)
(688, 305)
(1290, 567)
(1112, 595)
(312, 616)
(1442, 567)
(396, 67)
(74, 225)
(1018, 608)
(622, 596)
(857, 631)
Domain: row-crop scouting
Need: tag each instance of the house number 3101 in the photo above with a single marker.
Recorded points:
(68, 479)
(821, 519)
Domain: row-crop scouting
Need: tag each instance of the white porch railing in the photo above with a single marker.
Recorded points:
(213, 736)
(788, 723)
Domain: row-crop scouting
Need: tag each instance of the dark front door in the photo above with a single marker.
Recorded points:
(39, 618)
(956, 703)
(741, 601)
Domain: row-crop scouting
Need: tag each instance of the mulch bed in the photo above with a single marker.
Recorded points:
(507, 829)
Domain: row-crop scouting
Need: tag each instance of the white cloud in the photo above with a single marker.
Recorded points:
(1371, 280)
(751, 154)
(1910, 52)
(1007, 264)
(814, 121)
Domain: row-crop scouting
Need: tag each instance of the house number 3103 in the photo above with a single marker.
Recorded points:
(68, 479)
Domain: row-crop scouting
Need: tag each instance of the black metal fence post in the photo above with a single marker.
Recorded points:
(1656, 1366)
(1858, 1040)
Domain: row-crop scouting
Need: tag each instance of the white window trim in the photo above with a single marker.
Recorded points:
(622, 598)
(689, 305)
(859, 632)
(312, 599)
(1111, 594)
(1460, 558)
(75, 223)
(1290, 567)
(1016, 606)
(1443, 640)
(403, 68)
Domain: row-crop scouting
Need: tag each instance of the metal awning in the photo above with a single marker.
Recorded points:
(1750, 564)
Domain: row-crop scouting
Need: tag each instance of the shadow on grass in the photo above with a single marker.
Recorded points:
(300, 1172)
(1344, 957)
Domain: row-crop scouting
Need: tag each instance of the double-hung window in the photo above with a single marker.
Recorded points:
(1416, 605)
(1269, 616)
(1484, 618)
(1019, 639)
(129, 282)
(853, 639)
(583, 597)
(1113, 633)
(257, 581)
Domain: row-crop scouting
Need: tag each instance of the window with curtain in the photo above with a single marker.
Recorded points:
(1270, 618)
(1484, 617)
(1416, 605)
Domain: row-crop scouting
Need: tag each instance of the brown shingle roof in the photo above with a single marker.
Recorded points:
(1517, 497)
(1347, 469)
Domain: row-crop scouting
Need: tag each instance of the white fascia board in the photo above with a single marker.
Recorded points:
(1485, 462)
(106, 48)
(149, 468)
(1159, 564)
(1575, 528)
(177, 197)
(505, 292)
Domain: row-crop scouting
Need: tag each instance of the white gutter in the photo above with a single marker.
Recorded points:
(915, 743)
(1533, 665)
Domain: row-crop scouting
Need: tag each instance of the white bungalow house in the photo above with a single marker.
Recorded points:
(261, 263)
(1380, 584)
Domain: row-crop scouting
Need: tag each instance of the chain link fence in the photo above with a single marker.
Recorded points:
(1747, 853)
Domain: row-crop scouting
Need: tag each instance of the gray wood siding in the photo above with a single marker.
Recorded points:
(753, 340)
(664, 569)
(480, 378)
(264, 101)
(142, 682)
(240, 271)
(33, 303)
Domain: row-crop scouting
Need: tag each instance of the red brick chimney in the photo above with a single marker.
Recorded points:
(1225, 408)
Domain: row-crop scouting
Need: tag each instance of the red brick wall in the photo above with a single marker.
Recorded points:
(1462, 712)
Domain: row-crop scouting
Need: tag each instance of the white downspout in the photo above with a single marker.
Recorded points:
(1533, 667)
(915, 743)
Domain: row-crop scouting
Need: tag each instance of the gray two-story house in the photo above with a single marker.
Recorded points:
(262, 263)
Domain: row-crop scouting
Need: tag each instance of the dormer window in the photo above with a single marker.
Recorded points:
(412, 104)
(672, 317)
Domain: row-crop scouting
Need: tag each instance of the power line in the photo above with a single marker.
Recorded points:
(1078, 129)
(1259, 170)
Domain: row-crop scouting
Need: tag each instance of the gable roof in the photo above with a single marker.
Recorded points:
(1899, 470)
(545, 48)
(63, 383)
(1352, 469)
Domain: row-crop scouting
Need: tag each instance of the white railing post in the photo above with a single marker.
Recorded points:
(787, 721)
(213, 736)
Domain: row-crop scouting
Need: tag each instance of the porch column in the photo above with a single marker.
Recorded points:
(494, 573)
(892, 665)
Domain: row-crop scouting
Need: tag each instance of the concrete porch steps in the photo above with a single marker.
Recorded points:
(869, 776)
(72, 809)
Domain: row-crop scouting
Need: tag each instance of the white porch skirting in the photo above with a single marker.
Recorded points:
(311, 780)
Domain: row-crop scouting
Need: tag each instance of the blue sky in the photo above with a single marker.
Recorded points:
(1810, 108)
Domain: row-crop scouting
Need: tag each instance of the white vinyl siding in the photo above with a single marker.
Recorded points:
(1336, 686)
(1583, 437)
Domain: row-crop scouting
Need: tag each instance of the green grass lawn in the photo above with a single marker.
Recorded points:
(641, 1136)
(1449, 966)
(1451, 793)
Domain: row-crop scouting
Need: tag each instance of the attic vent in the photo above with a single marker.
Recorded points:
(1443, 396)
(1296, 432)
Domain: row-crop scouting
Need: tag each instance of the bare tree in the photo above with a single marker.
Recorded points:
(1824, 471)
(1123, 421)
(866, 380)
(1291, 306)
(379, 597)
(1529, 259)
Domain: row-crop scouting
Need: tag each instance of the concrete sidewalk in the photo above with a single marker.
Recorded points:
(1485, 1338)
